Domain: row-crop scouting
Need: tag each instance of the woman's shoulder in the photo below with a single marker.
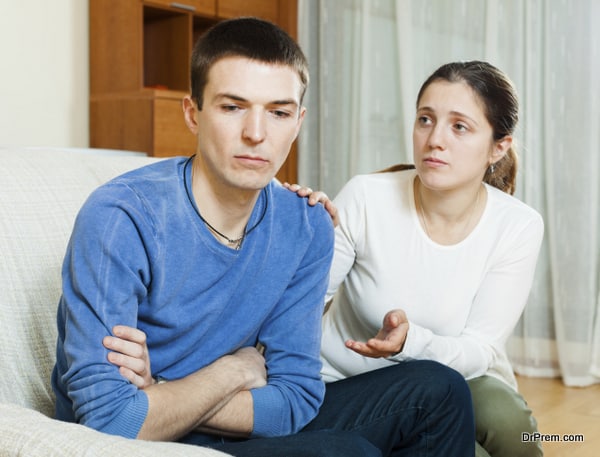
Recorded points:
(375, 183)
(511, 210)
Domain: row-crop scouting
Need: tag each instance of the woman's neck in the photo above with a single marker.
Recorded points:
(448, 217)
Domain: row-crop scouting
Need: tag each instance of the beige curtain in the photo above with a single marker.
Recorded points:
(368, 59)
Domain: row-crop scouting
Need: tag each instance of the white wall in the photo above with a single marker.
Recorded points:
(44, 89)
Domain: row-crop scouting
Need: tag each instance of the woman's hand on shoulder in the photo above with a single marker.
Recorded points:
(315, 197)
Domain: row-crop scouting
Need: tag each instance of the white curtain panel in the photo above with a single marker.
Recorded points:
(368, 59)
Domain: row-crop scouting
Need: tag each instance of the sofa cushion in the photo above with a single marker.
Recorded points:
(41, 192)
(24, 432)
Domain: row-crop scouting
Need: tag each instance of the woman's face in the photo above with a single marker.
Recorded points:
(452, 138)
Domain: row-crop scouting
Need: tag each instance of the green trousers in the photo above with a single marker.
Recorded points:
(501, 418)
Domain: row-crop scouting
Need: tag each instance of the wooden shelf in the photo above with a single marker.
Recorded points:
(167, 47)
(207, 7)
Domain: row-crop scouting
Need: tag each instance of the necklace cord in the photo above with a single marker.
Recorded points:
(421, 210)
(238, 241)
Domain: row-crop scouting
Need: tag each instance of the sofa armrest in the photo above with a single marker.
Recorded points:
(25, 432)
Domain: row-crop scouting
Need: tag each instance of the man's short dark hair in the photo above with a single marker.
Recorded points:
(248, 37)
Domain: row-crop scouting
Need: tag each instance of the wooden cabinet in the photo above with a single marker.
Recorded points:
(208, 7)
(260, 8)
(140, 65)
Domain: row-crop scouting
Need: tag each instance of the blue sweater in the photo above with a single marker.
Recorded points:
(139, 255)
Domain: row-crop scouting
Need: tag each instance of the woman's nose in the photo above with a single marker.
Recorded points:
(436, 137)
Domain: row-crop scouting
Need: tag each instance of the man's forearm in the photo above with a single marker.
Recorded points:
(178, 407)
(233, 419)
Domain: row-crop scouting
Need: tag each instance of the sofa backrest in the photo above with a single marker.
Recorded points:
(41, 191)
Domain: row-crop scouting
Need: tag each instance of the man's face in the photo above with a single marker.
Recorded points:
(250, 117)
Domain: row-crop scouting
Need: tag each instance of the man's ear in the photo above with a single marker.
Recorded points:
(300, 120)
(501, 148)
(189, 114)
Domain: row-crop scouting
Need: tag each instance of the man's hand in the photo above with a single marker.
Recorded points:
(314, 198)
(388, 341)
(248, 360)
(130, 353)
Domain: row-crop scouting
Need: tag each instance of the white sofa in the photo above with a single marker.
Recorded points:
(41, 190)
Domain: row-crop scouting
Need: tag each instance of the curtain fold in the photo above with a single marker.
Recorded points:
(368, 59)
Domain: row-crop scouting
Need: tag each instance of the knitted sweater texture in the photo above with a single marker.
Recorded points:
(140, 256)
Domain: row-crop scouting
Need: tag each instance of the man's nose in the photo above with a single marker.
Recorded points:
(255, 126)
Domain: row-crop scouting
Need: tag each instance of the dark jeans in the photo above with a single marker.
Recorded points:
(417, 408)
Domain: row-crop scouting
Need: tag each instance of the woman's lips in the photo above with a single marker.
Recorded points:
(434, 162)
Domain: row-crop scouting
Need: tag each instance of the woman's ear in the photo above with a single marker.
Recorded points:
(189, 114)
(501, 148)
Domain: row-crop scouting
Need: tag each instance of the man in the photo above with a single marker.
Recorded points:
(209, 258)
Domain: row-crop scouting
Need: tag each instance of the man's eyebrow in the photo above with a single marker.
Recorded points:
(289, 101)
(237, 98)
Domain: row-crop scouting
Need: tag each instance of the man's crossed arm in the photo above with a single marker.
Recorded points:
(215, 399)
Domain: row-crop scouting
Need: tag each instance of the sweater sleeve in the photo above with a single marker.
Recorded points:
(348, 233)
(500, 300)
(104, 276)
(292, 339)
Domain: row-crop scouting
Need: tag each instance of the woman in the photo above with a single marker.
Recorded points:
(441, 254)
(436, 261)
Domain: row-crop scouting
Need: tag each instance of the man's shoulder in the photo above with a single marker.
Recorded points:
(141, 193)
(289, 206)
(294, 216)
(162, 170)
(148, 179)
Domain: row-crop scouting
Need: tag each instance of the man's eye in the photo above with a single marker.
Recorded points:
(230, 107)
(280, 113)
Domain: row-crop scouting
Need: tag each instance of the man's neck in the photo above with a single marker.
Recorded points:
(225, 209)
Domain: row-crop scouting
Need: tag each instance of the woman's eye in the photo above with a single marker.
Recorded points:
(423, 120)
(461, 127)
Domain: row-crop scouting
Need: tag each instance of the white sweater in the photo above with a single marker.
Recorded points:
(462, 301)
